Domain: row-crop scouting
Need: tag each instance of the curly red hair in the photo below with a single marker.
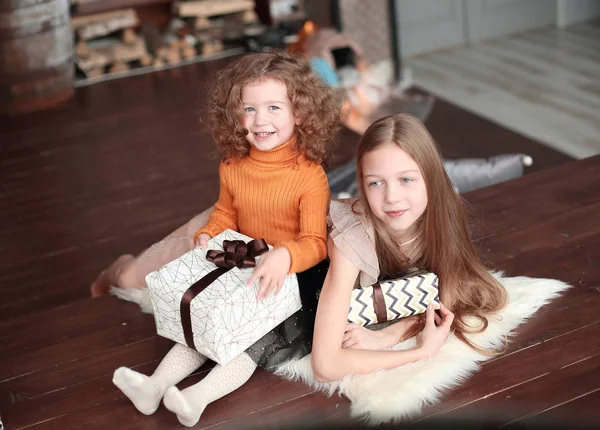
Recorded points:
(312, 100)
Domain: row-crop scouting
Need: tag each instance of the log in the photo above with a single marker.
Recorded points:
(102, 24)
(250, 17)
(146, 60)
(119, 66)
(82, 50)
(207, 8)
(173, 56)
(202, 23)
(188, 51)
(212, 47)
(129, 35)
(172, 41)
(94, 73)
(103, 52)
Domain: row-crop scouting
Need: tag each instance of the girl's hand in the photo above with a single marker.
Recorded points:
(359, 337)
(272, 268)
(436, 329)
(203, 240)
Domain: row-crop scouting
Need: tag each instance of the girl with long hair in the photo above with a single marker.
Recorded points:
(408, 218)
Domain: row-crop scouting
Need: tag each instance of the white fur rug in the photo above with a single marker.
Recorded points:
(400, 393)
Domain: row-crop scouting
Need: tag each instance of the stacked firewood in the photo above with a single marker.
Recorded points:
(116, 41)
(107, 42)
(213, 21)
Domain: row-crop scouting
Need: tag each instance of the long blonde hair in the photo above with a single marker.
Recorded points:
(444, 242)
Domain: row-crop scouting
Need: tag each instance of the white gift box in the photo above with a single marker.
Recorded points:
(226, 318)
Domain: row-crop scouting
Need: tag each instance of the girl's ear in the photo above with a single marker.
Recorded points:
(298, 120)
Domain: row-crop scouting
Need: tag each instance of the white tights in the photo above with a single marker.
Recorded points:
(146, 391)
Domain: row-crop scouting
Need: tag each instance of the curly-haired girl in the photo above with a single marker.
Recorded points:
(274, 121)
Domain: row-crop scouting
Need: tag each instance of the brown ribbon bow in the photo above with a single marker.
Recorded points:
(236, 253)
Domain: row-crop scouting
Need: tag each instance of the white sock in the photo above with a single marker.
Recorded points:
(189, 404)
(146, 392)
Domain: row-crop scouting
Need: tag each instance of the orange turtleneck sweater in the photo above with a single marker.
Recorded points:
(276, 195)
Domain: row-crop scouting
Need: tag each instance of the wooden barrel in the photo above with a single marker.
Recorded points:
(36, 54)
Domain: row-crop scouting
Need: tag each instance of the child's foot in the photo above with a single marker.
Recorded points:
(187, 412)
(109, 276)
(142, 393)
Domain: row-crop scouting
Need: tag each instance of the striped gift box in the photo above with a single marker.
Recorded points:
(390, 300)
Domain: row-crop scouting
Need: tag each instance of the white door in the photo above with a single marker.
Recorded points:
(487, 19)
(429, 25)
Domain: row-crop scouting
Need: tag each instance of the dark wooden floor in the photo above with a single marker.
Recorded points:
(119, 167)
(126, 162)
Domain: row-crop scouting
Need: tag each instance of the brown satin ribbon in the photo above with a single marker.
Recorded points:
(236, 253)
(379, 303)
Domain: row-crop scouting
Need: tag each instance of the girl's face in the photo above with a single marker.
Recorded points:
(395, 189)
(268, 114)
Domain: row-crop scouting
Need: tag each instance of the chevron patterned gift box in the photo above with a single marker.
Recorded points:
(390, 300)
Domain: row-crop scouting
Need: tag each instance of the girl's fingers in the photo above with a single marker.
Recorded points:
(444, 310)
(269, 289)
(253, 280)
(262, 290)
(278, 286)
(272, 288)
(448, 316)
(349, 338)
(448, 320)
(271, 285)
(429, 315)
(351, 326)
(349, 343)
(256, 275)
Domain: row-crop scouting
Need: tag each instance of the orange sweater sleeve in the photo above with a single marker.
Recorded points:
(310, 246)
(225, 215)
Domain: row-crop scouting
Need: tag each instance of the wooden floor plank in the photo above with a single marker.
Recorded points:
(308, 410)
(575, 263)
(95, 342)
(575, 309)
(558, 386)
(236, 405)
(59, 326)
(65, 401)
(503, 205)
(556, 230)
(65, 375)
(582, 410)
(527, 363)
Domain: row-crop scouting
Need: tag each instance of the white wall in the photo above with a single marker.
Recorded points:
(572, 11)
